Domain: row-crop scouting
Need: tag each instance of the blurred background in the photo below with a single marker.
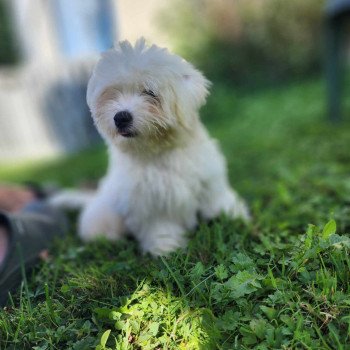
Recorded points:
(278, 67)
(47, 51)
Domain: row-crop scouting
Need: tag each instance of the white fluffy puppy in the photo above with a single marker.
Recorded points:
(164, 169)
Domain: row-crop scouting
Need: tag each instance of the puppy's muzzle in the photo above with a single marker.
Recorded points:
(123, 122)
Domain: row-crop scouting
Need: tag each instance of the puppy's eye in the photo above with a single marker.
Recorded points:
(149, 93)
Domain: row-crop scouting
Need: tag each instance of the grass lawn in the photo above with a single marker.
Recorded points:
(281, 283)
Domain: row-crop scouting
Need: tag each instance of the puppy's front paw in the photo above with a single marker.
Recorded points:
(92, 226)
(93, 233)
(235, 207)
(228, 203)
(162, 239)
(240, 210)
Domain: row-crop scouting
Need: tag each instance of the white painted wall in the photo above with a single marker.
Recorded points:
(41, 113)
(140, 18)
(30, 129)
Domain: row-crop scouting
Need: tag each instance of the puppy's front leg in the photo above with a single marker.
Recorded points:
(219, 198)
(161, 237)
(99, 219)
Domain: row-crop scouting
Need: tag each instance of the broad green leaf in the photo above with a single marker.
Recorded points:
(244, 282)
(102, 312)
(269, 312)
(119, 325)
(197, 270)
(104, 337)
(248, 336)
(241, 262)
(329, 229)
(311, 230)
(258, 326)
(229, 321)
(65, 289)
(221, 272)
(154, 326)
(114, 315)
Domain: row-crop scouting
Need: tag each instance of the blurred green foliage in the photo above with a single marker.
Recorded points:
(8, 52)
(248, 41)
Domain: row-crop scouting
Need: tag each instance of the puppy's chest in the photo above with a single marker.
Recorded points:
(163, 186)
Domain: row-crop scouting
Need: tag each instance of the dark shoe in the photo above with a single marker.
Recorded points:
(30, 231)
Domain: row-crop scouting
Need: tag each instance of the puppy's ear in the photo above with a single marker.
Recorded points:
(190, 95)
(196, 87)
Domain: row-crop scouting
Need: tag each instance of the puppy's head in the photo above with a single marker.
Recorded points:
(144, 95)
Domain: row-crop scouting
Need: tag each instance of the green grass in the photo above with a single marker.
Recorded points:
(281, 283)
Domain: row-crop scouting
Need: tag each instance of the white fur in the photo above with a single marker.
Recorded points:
(70, 199)
(160, 180)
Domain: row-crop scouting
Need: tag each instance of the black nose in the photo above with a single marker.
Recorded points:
(122, 119)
